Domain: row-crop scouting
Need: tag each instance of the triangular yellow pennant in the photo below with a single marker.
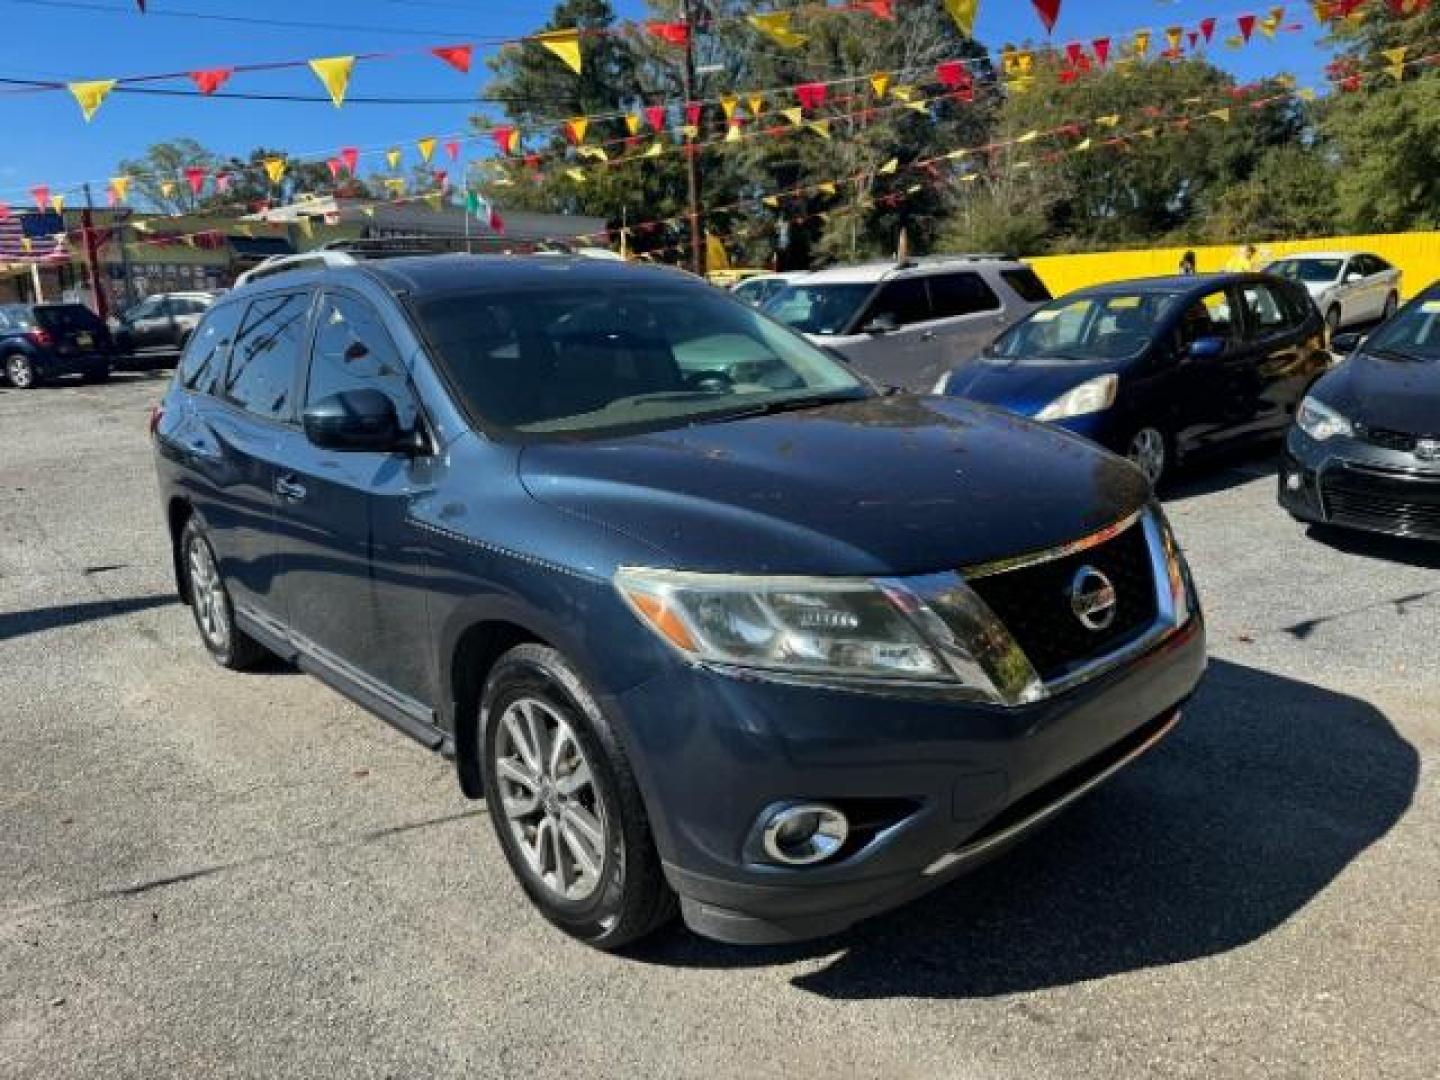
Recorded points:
(275, 169)
(392, 157)
(120, 185)
(395, 184)
(578, 127)
(167, 188)
(921, 106)
(690, 131)
(655, 149)
(1083, 145)
(796, 115)
(963, 12)
(1396, 57)
(1108, 121)
(594, 153)
(771, 201)
(1140, 43)
(57, 203)
(880, 82)
(1307, 93)
(578, 175)
(633, 122)
(728, 104)
(904, 93)
(334, 73)
(734, 134)
(827, 188)
(426, 146)
(1028, 137)
(565, 44)
(1223, 115)
(890, 167)
(821, 128)
(776, 26)
(756, 103)
(89, 95)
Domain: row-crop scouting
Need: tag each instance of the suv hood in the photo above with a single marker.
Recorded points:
(896, 485)
(1401, 395)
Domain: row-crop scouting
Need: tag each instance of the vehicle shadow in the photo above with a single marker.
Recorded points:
(1230, 469)
(1265, 793)
(14, 624)
(1418, 553)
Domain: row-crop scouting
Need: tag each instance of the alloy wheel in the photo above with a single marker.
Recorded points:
(1147, 450)
(551, 802)
(207, 595)
(19, 372)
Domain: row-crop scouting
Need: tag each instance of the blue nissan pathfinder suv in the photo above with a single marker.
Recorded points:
(708, 620)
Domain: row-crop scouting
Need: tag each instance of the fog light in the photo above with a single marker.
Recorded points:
(1293, 482)
(804, 833)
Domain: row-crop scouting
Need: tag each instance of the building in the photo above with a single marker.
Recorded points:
(139, 254)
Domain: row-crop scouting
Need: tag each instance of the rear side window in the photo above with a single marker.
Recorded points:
(1027, 284)
(904, 301)
(263, 359)
(204, 357)
(354, 351)
(1210, 316)
(65, 318)
(1265, 311)
(960, 294)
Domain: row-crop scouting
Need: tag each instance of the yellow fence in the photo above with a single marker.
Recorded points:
(1417, 254)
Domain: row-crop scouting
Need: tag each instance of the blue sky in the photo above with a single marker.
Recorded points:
(48, 142)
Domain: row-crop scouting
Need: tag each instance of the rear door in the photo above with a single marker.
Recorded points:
(967, 313)
(351, 571)
(246, 425)
(1278, 339)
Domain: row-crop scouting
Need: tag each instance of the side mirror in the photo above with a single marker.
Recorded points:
(1205, 348)
(1353, 276)
(1345, 344)
(883, 323)
(354, 420)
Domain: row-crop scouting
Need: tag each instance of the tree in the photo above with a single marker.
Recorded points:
(1291, 193)
(158, 178)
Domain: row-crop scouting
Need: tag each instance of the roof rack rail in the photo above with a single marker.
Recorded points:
(285, 264)
(391, 247)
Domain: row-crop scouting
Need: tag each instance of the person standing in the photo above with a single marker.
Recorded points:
(1187, 264)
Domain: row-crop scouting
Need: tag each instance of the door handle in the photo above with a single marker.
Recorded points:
(288, 489)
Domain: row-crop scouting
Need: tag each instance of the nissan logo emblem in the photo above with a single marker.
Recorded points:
(1092, 598)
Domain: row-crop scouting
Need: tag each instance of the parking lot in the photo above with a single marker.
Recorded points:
(205, 873)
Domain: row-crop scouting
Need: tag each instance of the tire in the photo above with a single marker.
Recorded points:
(1152, 451)
(1332, 320)
(210, 603)
(565, 805)
(20, 372)
(1392, 305)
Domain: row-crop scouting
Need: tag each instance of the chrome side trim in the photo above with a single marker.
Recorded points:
(1034, 558)
(953, 859)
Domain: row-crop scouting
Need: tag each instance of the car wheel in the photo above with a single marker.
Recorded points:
(1332, 319)
(1392, 304)
(210, 603)
(565, 805)
(1149, 450)
(20, 372)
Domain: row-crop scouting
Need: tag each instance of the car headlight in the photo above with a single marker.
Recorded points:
(1095, 395)
(941, 385)
(1320, 421)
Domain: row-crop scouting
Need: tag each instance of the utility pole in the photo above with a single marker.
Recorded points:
(692, 150)
(92, 256)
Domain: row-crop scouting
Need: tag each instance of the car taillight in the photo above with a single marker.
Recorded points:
(41, 338)
(157, 413)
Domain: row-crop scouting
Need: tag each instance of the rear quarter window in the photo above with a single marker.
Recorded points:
(204, 358)
(953, 295)
(60, 318)
(1026, 284)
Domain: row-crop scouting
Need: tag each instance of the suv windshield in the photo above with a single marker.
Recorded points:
(601, 360)
(1310, 271)
(819, 309)
(1413, 334)
(1087, 328)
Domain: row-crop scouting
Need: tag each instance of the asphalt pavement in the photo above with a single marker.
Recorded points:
(221, 875)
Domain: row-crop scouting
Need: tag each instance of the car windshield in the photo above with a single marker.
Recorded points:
(1309, 271)
(605, 359)
(1086, 328)
(1413, 334)
(819, 309)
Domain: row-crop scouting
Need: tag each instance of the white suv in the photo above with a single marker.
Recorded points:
(905, 324)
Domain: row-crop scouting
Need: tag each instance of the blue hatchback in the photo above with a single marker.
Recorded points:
(1162, 370)
(701, 614)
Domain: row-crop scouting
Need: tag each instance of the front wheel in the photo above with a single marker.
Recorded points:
(565, 805)
(20, 372)
(1149, 450)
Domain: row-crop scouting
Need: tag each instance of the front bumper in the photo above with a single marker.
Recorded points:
(959, 781)
(1350, 483)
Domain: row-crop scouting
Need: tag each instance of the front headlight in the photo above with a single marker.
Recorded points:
(801, 625)
(1320, 421)
(940, 386)
(1095, 395)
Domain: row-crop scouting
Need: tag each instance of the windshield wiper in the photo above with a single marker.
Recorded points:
(770, 408)
(1398, 354)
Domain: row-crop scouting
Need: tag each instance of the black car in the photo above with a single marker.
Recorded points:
(1365, 449)
(160, 325)
(1162, 370)
(44, 341)
(778, 645)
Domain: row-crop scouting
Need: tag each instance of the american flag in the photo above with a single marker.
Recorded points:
(33, 237)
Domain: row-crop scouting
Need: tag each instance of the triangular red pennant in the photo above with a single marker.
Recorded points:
(881, 9)
(656, 115)
(41, 194)
(1207, 29)
(1049, 11)
(457, 56)
(1193, 37)
(1101, 47)
(811, 95)
(196, 176)
(1075, 53)
(672, 33)
(693, 109)
(351, 157)
(452, 147)
(212, 79)
(950, 73)
(334, 164)
(504, 136)
(1247, 26)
